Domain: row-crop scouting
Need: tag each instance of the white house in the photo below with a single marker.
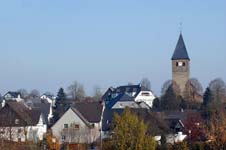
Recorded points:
(175, 138)
(146, 96)
(13, 96)
(81, 123)
(20, 123)
(172, 138)
(49, 98)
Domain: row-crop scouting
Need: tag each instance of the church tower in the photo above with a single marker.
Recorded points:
(180, 64)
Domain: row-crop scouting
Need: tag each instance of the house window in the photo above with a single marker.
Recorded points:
(63, 137)
(145, 94)
(16, 121)
(180, 64)
(2, 131)
(76, 126)
(65, 126)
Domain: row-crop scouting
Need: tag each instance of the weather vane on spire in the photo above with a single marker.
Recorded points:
(181, 25)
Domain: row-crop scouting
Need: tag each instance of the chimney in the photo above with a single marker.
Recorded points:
(3, 103)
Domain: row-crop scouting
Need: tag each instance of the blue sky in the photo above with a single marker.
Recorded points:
(48, 44)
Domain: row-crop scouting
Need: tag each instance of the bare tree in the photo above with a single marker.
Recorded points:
(146, 83)
(97, 93)
(81, 92)
(72, 89)
(166, 86)
(23, 92)
(34, 93)
(197, 85)
(193, 91)
(76, 91)
(218, 88)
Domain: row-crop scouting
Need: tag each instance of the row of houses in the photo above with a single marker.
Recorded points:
(82, 122)
(25, 120)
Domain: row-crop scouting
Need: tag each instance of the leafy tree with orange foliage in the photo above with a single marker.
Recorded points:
(52, 142)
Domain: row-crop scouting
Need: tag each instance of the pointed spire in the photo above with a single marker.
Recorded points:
(180, 51)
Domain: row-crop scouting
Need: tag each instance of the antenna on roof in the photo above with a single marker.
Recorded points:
(180, 27)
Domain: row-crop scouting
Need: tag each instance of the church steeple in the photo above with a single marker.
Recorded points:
(180, 51)
(180, 65)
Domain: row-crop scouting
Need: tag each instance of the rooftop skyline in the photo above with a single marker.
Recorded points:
(46, 45)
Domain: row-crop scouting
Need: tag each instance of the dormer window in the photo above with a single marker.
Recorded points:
(145, 94)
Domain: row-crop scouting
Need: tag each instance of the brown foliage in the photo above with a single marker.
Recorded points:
(194, 123)
(52, 142)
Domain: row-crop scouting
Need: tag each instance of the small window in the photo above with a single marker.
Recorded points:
(65, 126)
(179, 63)
(183, 63)
(2, 131)
(63, 137)
(145, 94)
(176, 63)
(76, 126)
(17, 121)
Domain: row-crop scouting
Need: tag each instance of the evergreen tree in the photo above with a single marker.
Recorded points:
(170, 101)
(207, 97)
(156, 104)
(59, 106)
(61, 95)
(184, 104)
(209, 107)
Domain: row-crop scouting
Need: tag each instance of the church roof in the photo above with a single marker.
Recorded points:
(180, 51)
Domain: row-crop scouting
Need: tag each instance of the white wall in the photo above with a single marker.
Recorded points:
(33, 133)
(122, 105)
(83, 135)
(148, 99)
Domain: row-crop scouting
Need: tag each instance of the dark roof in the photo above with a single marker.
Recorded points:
(126, 97)
(179, 115)
(91, 111)
(108, 116)
(128, 88)
(29, 116)
(122, 93)
(180, 51)
(13, 94)
(44, 108)
(33, 100)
